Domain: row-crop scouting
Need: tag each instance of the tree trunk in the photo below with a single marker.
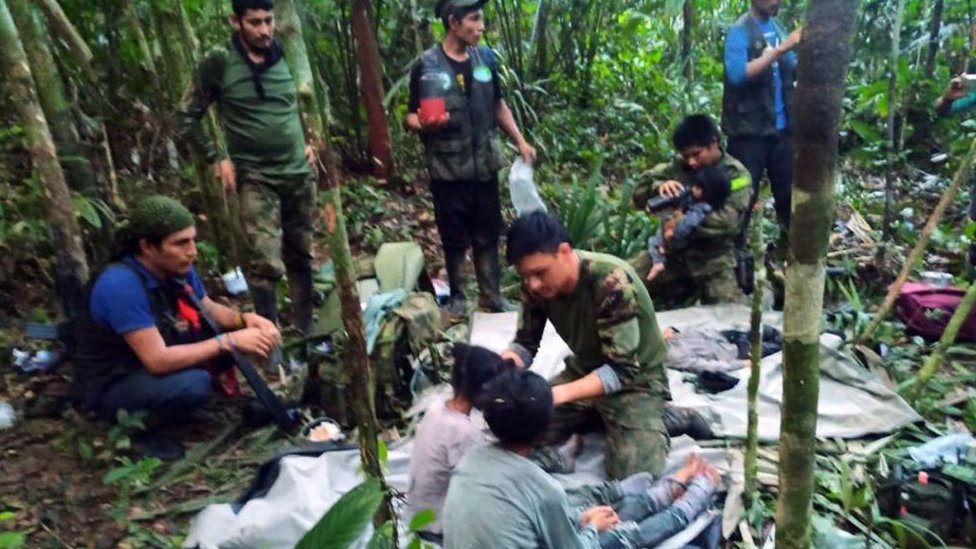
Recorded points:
(72, 266)
(934, 30)
(688, 18)
(354, 356)
(135, 27)
(824, 54)
(540, 40)
(50, 90)
(167, 17)
(893, 101)
(79, 49)
(371, 80)
(962, 175)
(752, 435)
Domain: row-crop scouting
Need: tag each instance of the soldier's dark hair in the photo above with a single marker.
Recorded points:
(474, 367)
(240, 7)
(445, 10)
(715, 185)
(696, 130)
(534, 232)
(518, 406)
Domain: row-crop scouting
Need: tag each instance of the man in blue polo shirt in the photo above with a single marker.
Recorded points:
(759, 79)
(141, 342)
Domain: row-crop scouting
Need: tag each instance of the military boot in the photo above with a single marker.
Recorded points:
(302, 300)
(266, 305)
(457, 305)
(488, 272)
(686, 421)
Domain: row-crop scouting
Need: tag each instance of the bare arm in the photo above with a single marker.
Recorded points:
(505, 121)
(588, 386)
(759, 65)
(160, 359)
(230, 319)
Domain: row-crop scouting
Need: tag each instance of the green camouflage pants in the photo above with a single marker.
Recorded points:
(276, 214)
(677, 287)
(636, 437)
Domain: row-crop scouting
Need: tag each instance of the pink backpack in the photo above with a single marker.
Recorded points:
(926, 309)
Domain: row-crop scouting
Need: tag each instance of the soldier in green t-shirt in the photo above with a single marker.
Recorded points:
(616, 375)
(269, 163)
(705, 268)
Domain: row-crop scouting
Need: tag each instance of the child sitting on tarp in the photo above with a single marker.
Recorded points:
(447, 431)
(499, 498)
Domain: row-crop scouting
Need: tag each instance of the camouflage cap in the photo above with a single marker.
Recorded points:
(450, 7)
(158, 217)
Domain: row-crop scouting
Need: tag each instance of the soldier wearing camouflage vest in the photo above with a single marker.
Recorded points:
(269, 164)
(463, 151)
(756, 104)
(704, 269)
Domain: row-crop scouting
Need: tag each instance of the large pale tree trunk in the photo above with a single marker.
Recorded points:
(72, 38)
(371, 82)
(355, 358)
(72, 266)
(824, 54)
(135, 27)
(54, 101)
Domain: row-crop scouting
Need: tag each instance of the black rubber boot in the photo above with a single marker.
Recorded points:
(302, 300)
(685, 421)
(457, 305)
(266, 305)
(265, 302)
(488, 272)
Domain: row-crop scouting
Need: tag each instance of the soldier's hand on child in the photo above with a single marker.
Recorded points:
(670, 188)
(602, 517)
(254, 341)
(224, 171)
(657, 269)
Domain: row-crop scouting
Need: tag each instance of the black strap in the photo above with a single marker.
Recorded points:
(279, 414)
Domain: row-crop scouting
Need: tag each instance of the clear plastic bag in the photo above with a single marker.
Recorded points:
(525, 196)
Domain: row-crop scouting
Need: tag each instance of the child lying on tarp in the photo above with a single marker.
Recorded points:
(499, 498)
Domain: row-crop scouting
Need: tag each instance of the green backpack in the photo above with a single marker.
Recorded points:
(403, 357)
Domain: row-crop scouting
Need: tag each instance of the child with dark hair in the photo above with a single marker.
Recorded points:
(499, 498)
(446, 432)
(709, 192)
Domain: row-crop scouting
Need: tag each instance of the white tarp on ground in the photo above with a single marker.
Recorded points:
(852, 404)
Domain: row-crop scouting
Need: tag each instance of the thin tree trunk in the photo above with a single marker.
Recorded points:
(50, 90)
(167, 16)
(540, 40)
(934, 361)
(79, 49)
(824, 54)
(893, 101)
(935, 29)
(135, 27)
(72, 265)
(355, 358)
(371, 80)
(962, 175)
(755, 336)
(688, 18)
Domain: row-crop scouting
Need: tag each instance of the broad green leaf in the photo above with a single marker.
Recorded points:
(421, 519)
(342, 525)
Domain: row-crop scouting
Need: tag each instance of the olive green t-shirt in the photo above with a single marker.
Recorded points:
(262, 134)
(607, 319)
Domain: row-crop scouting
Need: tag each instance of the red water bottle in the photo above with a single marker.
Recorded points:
(432, 104)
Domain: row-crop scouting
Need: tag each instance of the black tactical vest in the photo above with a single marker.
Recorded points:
(102, 356)
(467, 149)
(749, 110)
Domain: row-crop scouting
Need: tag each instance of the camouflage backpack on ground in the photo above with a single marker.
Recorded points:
(401, 358)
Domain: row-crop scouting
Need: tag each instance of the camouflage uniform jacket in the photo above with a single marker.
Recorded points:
(710, 248)
(607, 321)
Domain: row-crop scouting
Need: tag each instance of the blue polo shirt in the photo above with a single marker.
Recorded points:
(737, 56)
(963, 104)
(118, 299)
